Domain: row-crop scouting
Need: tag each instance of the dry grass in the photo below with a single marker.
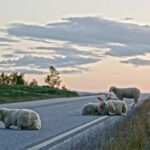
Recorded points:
(134, 132)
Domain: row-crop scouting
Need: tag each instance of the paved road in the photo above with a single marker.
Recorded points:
(57, 116)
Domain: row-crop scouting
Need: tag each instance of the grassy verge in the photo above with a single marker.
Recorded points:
(19, 93)
(134, 132)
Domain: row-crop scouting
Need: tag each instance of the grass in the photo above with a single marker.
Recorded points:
(134, 132)
(19, 93)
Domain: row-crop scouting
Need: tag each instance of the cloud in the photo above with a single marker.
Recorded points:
(42, 57)
(75, 70)
(8, 55)
(137, 62)
(37, 65)
(2, 44)
(38, 40)
(89, 30)
(78, 35)
(26, 71)
(127, 50)
(44, 63)
(7, 40)
(71, 52)
(128, 18)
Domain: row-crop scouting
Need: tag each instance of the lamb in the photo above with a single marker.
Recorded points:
(22, 118)
(126, 93)
(114, 107)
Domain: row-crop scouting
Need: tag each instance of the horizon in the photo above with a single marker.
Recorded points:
(94, 44)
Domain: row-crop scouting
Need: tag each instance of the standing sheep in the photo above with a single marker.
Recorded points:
(126, 93)
(114, 107)
(22, 118)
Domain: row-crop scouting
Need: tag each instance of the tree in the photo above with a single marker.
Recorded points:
(64, 87)
(4, 79)
(53, 78)
(17, 79)
(34, 83)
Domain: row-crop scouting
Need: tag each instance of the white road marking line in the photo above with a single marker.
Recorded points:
(45, 143)
(56, 138)
(130, 104)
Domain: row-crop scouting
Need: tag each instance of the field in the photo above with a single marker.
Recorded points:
(19, 93)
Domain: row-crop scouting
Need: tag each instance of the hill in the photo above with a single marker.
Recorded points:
(19, 93)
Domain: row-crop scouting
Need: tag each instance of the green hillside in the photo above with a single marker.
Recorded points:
(19, 93)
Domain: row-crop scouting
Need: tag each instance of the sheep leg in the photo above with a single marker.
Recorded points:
(7, 126)
(7, 123)
(111, 114)
(133, 106)
(123, 114)
(135, 103)
(19, 128)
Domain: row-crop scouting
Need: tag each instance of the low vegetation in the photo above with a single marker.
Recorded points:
(14, 88)
(134, 132)
(19, 93)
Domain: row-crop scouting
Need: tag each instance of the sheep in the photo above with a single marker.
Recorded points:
(22, 118)
(108, 96)
(95, 108)
(112, 96)
(114, 107)
(90, 109)
(126, 93)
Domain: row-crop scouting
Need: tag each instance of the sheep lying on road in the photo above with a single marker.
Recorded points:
(126, 93)
(90, 109)
(114, 107)
(22, 118)
(110, 99)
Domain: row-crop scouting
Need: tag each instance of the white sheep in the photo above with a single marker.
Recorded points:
(114, 107)
(126, 93)
(111, 96)
(90, 109)
(95, 108)
(22, 118)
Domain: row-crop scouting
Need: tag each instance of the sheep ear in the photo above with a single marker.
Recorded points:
(99, 98)
(108, 97)
(100, 102)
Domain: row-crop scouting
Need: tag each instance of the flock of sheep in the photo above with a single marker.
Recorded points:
(110, 104)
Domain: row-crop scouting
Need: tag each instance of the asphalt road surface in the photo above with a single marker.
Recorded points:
(57, 115)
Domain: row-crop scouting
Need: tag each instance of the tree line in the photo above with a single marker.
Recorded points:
(52, 79)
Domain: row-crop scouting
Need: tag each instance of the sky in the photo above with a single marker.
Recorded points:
(94, 44)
